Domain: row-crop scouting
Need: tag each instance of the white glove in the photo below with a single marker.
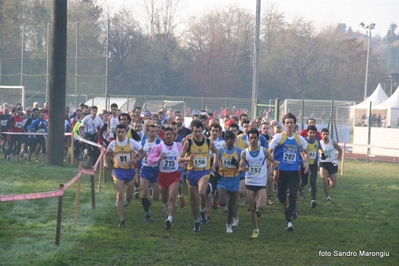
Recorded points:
(335, 162)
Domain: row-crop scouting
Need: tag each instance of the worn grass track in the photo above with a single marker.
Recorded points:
(362, 216)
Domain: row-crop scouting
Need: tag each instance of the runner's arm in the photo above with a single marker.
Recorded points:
(339, 149)
(243, 167)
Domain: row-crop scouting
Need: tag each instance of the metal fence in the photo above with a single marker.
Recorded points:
(337, 116)
(325, 112)
(26, 63)
(186, 105)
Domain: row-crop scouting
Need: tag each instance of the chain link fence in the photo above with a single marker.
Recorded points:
(186, 105)
(325, 112)
(336, 115)
(26, 63)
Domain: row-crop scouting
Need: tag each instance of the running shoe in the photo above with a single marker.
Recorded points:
(270, 200)
(255, 234)
(242, 201)
(8, 158)
(328, 199)
(225, 209)
(182, 202)
(147, 217)
(126, 203)
(258, 213)
(204, 219)
(313, 203)
(36, 159)
(196, 227)
(295, 216)
(168, 224)
(166, 208)
(121, 223)
(136, 194)
(310, 188)
(235, 221)
(16, 158)
(300, 191)
(290, 227)
(229, 228)
(208, 215)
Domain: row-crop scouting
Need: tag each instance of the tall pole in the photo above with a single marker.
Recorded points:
(57, 82)
(22, 55)
(369, 28)
(369, 132)
(76, 62)
(367, 66)
(47, 61)
(390, 91)
(107, 103)
(255, 73)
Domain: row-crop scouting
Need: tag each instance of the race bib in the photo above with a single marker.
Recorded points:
(255, 170)
(92, 129)
(289, 157)
(18, 124)
(123, 157)
(200, 162)
(169, 163)
(226, 163)
(3, 122)
(41, 130)
(312, 154)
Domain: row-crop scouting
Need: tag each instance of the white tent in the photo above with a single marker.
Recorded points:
(377, 97)
(124, 104)
(389, 109)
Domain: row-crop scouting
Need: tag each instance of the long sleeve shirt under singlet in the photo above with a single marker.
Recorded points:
(156, 151)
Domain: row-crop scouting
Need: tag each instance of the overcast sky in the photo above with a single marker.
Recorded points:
(321, 12)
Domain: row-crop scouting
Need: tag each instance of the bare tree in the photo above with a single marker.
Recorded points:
(273, 25)
(161, 16)
(220, 46)
(125, 41)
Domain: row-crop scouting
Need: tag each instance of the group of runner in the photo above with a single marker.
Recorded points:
(14, 122)
(226, 163)
(222, 162)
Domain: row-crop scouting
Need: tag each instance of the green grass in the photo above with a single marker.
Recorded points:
(362, 216)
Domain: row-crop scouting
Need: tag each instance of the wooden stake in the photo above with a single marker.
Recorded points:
(93, 193)
(72, 148)
(59, 217)
(100, 174)
(343, 159)
(75, 216)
